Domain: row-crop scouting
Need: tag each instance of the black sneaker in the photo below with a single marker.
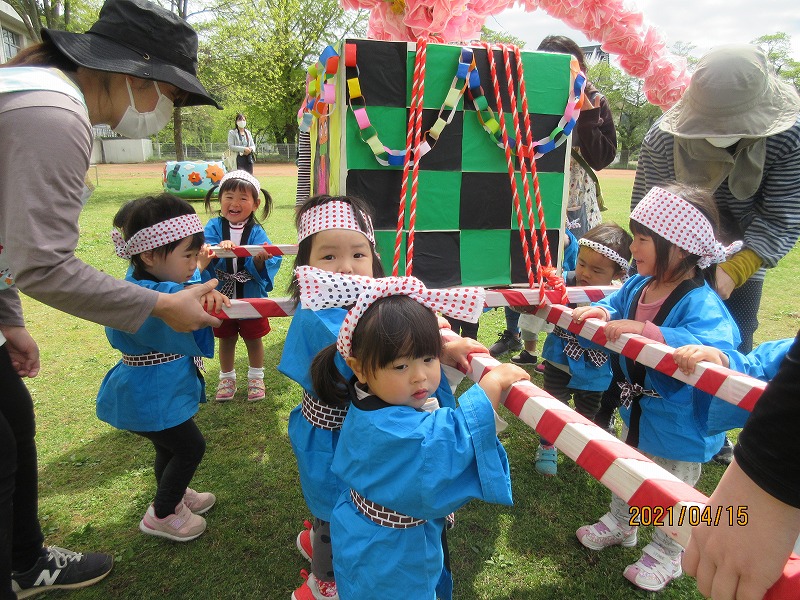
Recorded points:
(725, 454)
(61, 569)
(506, 342)
(525, 358)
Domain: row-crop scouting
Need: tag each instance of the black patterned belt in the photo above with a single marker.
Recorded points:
(575, 351)
(149, 359)
(629, 391)
(157, 358)
(322, 415)
(383, 516)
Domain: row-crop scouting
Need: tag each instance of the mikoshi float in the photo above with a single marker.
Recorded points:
(462, 151)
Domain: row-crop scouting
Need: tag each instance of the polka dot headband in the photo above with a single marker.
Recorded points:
(681, 223)
(322, 289)
(157, 235)
(332, 215)
(242, 176)
(608, 253)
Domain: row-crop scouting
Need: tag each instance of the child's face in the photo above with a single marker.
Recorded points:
(593, 268)
(341, 251)
(178, 266)
(237, 205)
(643, 250)
(404, 382)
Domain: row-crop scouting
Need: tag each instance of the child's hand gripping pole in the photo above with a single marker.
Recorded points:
(734, 387)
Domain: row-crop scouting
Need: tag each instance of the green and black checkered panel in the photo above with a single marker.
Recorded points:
(466, 230)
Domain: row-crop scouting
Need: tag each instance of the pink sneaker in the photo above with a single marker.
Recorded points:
(255, 390)
(654, 570)
(314, 589)
(304, 541)
(606, 532)
(198, 502)
(181, 526)
(226, 389)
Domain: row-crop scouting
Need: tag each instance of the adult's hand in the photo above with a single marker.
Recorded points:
(22, 349)
(725, 284)
(183, 311)
(741, 562)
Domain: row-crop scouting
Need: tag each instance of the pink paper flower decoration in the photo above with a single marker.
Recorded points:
(641, 47)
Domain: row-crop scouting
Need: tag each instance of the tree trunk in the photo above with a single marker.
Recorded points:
(624, 156)
(177, 122)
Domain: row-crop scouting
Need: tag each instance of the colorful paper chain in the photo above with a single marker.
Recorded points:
(369, 135)
(466, 80)
(320, 88)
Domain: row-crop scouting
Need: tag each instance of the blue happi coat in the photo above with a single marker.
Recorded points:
(262, 279)
(584, 374)
(425, 465)
(157, 397)
(674, 425)
(310, 332)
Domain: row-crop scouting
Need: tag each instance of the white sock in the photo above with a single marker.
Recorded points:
(255, 372)
(230, 375)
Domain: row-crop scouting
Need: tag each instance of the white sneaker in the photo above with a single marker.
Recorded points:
(606, 532)
(654, 570)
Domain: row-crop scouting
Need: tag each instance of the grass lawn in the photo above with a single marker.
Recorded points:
(96, 482)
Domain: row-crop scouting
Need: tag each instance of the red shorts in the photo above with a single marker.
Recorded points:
(249, 329)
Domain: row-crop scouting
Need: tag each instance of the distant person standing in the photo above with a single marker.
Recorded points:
(241, 143)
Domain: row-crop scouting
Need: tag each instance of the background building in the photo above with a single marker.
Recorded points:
(12, 32)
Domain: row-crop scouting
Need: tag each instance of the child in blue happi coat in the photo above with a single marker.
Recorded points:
(251, 277)
(670, 301)
(573, 367)
(335, 234)
(156, 388)
(406, 461)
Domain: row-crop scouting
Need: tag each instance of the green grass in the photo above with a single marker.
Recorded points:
(96, 482)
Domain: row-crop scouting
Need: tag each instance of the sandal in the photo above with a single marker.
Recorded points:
(226, 389)
(255, 390)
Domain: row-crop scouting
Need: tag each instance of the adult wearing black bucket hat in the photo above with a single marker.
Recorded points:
(127, 71)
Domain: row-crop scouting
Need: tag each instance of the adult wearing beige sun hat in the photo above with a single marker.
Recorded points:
(128, 71)
(736, 132)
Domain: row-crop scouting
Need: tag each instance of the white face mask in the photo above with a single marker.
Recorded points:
(135, 124)
(723, 142)
(241, 124)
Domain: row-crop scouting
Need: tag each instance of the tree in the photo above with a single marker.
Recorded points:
(500, 37)
(66, 15)
(685, 50)
(633, 114)
(260, 69)
(778, 49)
